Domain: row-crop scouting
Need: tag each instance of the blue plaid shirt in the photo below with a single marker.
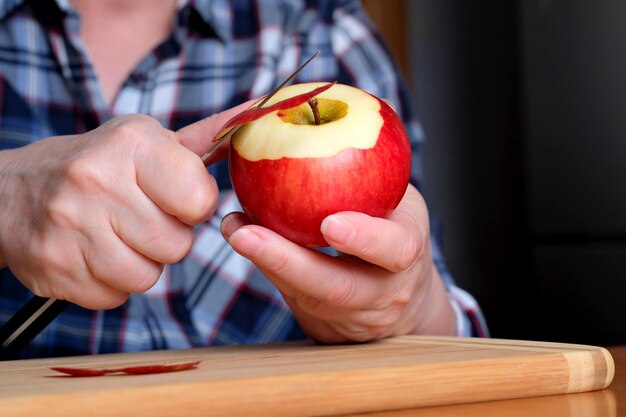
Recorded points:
(219, 54)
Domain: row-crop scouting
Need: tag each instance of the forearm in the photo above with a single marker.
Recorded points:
(5, 198)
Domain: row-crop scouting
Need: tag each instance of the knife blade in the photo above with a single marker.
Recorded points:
(38, 312)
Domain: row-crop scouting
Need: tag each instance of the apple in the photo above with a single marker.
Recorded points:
(343, 150)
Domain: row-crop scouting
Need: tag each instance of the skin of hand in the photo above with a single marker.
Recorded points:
(383, 283)
(91, 218)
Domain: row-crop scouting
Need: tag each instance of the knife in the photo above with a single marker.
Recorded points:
(27, 323)
(263, 102)
(38, 312)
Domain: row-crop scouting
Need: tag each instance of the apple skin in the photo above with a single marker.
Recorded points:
(293, 195)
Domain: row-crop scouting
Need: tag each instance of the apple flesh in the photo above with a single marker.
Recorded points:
(290, 173)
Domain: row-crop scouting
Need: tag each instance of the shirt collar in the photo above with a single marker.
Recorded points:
(217, 14)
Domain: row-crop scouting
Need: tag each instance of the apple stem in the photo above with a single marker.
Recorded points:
(315, 109)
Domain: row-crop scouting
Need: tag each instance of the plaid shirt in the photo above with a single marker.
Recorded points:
(219, 54)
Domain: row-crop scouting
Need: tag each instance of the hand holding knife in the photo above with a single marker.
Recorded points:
(38, 312)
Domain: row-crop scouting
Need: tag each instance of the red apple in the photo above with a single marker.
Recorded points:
(289, 173)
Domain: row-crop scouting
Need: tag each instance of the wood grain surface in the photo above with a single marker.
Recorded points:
(610, 402)
(300, 379)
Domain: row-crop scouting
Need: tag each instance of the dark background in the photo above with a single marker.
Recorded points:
(524, 107)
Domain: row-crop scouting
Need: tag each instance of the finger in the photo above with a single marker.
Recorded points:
(295, 269)
(320, 331)
(124, 269)
(219, 154)
(177, 181)
(233, 221)
(171, 175)
(366, 318)
(70, 278)
(341, 325)
(95, 295)
(198, 137)
(150, 231)
(394, 243)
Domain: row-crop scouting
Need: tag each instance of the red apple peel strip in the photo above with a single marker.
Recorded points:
(130, 370)
(253, 113)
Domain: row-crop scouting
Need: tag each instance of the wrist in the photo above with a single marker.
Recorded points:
(437, 317)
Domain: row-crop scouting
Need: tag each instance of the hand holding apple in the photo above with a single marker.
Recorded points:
(384, 281)
(383, 284)
(345, 150)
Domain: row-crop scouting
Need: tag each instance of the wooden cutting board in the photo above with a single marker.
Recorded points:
(300, 379)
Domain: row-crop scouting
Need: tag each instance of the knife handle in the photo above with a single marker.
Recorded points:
(27, 323)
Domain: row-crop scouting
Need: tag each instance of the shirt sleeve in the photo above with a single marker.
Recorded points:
(364, 61)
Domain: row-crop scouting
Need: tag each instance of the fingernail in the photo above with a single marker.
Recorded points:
(245, 242)
(337, 228)
(228, 226)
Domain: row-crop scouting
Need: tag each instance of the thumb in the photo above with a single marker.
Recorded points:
(198, 136)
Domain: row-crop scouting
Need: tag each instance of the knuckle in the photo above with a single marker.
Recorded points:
(52, 286)
(128, 274)
(394, 302)
(369, 245)
(40, 287)
(129, 131)
(167, 246)
(408, 252)
(180, 246)
(403, 297)
(87, 174)
(342, 293)
(48, 256)
(126, 126)
(63, 215)
(307, 302)
(146, 276)
(281, 263)
(201, 202)
(391, 316)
